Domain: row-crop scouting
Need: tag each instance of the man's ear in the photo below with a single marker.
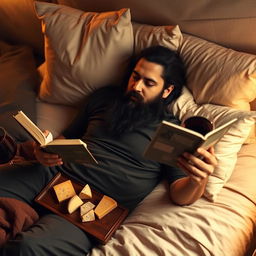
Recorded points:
(167, 91)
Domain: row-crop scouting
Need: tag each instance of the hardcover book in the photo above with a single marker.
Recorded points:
(70, 150)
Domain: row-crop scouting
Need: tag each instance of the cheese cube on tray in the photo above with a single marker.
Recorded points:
(86, 207)
(105, 206)
(86, 192)
(74, 203)
(64, 190)
(89, 216)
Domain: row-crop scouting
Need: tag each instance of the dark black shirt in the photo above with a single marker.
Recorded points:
(122, 172)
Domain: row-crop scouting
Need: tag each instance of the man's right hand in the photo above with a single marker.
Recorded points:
(45, 158)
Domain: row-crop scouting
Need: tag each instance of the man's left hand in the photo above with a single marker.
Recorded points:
(199, 166)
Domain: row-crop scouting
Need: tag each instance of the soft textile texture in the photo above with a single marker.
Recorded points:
(242, 179)
(15, 216)
(19, 24)
(83, 50)
(18, 84)
(147, 35)
(158, 227)
(59, 119)
(219, 75)
(227, 148)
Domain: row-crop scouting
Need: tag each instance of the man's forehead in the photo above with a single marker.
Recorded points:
(143, 63)
(148, 68)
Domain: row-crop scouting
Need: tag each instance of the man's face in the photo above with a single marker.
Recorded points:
(146, 80)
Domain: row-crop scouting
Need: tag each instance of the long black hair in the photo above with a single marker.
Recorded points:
(174, 70)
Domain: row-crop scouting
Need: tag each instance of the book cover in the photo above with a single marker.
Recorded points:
(70, 150)
(171, 140)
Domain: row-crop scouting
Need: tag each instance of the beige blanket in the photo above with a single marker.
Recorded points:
(224, 228)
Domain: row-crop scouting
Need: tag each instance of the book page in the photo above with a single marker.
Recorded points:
(214, 136)
(66, 142)
(169, 143)
(31, 128)
(221, 130)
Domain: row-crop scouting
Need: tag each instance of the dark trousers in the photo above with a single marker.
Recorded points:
(51, 235)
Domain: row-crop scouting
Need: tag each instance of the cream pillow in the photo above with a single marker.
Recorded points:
(227, 148)
(147, 35)
(83, 51)
(219, 75)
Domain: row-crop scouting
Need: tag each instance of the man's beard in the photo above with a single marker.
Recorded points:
(129, 112)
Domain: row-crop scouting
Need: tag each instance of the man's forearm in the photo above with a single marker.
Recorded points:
(186, 191)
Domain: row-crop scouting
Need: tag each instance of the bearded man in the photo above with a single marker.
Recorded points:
(117, 124)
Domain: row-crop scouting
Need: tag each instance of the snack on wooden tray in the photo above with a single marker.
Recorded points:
(86, 207)
(89, 216)
(74, 203)
(64, 190)
(105, 206)
(100, 229)
(86, 192)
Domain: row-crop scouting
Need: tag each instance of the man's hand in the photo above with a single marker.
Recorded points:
(45, 158)
(198, 168)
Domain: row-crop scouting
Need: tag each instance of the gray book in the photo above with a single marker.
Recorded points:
(170, 141)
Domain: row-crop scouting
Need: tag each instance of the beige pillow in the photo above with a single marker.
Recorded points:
(219, 75)
(147, 35)
(83, 50)
(227, 148)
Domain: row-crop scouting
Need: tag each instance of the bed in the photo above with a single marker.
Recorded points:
(43, 73)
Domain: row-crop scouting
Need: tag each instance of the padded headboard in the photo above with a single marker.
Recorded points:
(229, 23)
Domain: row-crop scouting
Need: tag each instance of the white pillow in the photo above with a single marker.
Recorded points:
(227, 148)
(83, 51)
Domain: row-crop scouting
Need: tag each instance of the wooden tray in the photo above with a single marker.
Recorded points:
(101, 229)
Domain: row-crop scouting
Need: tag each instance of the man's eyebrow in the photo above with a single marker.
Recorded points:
(146, 78)
(136, 73)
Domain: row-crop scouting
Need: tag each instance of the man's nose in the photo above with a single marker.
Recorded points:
(138, 85)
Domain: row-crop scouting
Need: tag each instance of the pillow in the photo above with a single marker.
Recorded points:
(59, 119)
(219, 75)
(147, 35)
(20, 25)
(19, 80)
(227, 148)
(242, 182)
(83, 51)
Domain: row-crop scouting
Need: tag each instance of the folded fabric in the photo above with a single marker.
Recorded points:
(15, 216)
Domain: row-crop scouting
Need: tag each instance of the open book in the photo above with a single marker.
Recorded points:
(70, 150)
(170, 141)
